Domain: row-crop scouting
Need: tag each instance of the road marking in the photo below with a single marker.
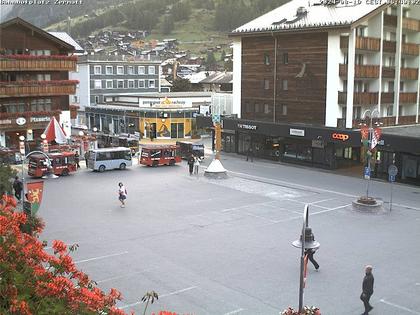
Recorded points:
(399, 307)
(235, 311)
(160, 296)
(124, 276)
(101, 257)
(259, 217)
(248, 205)
(319, 201)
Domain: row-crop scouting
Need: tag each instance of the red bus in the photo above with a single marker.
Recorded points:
(154, 155)
(62, 163)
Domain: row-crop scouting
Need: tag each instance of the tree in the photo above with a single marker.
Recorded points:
(210, 62)
(181, 11)
(167, 25)
(181, 85)
(6, 174)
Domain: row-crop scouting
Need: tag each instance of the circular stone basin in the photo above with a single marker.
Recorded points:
(367, 204)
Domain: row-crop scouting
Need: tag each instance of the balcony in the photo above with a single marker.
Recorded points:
(410, 49)
(35, 63)
(387, 98)
(409, 73)
(411, 24)
(361, 71)
(389, 46)
(362, 43)
(386, 121)
(37, 88)
(388, 72)
(408, 97)
(359, 98)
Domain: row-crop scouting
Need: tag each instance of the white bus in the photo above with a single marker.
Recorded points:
(109, 158)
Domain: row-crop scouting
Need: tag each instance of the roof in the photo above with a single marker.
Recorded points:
(219, 78)
(406, 131)
(68, 39)
(303, 15)
(41, 32)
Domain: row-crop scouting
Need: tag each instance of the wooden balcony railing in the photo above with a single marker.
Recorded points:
(28, 115)
(387, 98)
(36, 88)
(409, 73)
(359, 98)
(11, 64)
(388, 72)
(386, 121)
(390, 20)
(389, 46)
(408, 97)
(410, 49)
(361, 71)
(362, 43)
(411, 24)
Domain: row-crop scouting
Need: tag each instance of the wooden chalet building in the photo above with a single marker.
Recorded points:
(305, 75)
(34, 81)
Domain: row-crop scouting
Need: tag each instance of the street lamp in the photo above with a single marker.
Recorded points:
(369, 113)
(306, 241)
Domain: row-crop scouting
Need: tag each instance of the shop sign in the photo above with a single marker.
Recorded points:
(20, 121)
(297, 132)
(247, 127)
(5, 122)
(318, 144)
(40, 119)
(340, 136)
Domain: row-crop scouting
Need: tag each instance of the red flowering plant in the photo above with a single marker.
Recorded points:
(307, 310)
(41, 82)
(35, 282)
(45, 57)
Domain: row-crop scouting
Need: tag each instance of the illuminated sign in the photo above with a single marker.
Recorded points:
(297, 132)
(20, 121)
(40, 119)
(340, 136)
(248, 127)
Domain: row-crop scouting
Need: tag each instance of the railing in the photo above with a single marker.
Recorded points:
(410, 49)
(385, 121)
(387, 98)
(408, 97)
(388, 72)
(390, 20)
(359, 98)
(362, 43)
(409, 73)
(411, 24)
(35, 88)
(389, 46)
(361, 71)
(30, 114)
(10, 64)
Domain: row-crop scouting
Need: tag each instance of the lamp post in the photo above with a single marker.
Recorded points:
(306, 241)
(369, 113)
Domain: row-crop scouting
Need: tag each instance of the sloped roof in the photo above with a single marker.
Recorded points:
(41, 32)
(68, 39)
(312, 15)
(219, 78)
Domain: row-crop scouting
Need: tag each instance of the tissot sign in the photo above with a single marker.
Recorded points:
(247, 126)
(340, 136)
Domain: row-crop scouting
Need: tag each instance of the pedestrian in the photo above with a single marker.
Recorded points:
(190, 162)
(122, 194)
(197, 161)
(250, 154)
(87, 158)
(77, 159)
(367, 289)
(310, 252)
(18, 187)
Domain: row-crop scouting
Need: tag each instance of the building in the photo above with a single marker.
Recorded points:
(34, 81)
(307, 74)
(112, 75)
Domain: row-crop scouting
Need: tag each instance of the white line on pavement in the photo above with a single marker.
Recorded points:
(399, 307)
(324, 200)
(259, 217)
(124, 276)
(160, 296)
(248, 205)
(235, 311)
(100, 257)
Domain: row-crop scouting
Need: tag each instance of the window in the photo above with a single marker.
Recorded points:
(266, 84)
(141, 84)
(285, 58)
(284, 110)
(120, 84)
(43, 77)
(142, 70)
(109, 70)
(285, 85)
(390, 86)
(130, 70)
(131, 84)
(402, 63)
(266, 59)
(344, 85)
(248, 107)
(75, 99)
(109, 84)
(400, 111)
(151, 69)
(267, 109)
(258, 108)
(151, 84)
(98, 84)
(361, 31)
(120, 69)
(346, 59)
(357, 112)
(97, 99)
(97, 70)
(390, 110)
(359, 59)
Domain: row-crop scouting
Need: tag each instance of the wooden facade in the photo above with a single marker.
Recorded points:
(287, 83)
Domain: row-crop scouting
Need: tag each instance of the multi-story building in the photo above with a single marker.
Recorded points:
(100, 76)
(34, 81)
(307, 74)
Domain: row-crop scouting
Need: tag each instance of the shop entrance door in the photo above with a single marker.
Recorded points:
(177, 130)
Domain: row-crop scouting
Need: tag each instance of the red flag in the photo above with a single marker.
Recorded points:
(35, 190)
(376, 135)
(365, 132)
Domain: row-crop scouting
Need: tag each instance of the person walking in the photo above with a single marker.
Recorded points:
(18, 187)
(250, 154)
(77, 159)
(367, 289)
(190, 162)
(122, 194)
(310, 252)
(197, 161)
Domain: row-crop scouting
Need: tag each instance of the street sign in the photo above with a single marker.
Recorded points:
(392, 170)
(367, 172)
(391, 178)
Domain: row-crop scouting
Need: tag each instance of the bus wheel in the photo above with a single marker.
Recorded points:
(122, 166)
(171, 162)
(65, 172)
(155, 163)
(101, 168)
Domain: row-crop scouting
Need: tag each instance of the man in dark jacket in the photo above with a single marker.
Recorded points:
(367, 289)
(190, 162)
(18, 187)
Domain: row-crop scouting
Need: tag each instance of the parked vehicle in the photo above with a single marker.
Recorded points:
(154, 155)
(62, 163)
(187, 148)
(109, 158)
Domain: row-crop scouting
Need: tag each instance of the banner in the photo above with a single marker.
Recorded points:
(376, 135)
(34, 196)
(364, 132)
